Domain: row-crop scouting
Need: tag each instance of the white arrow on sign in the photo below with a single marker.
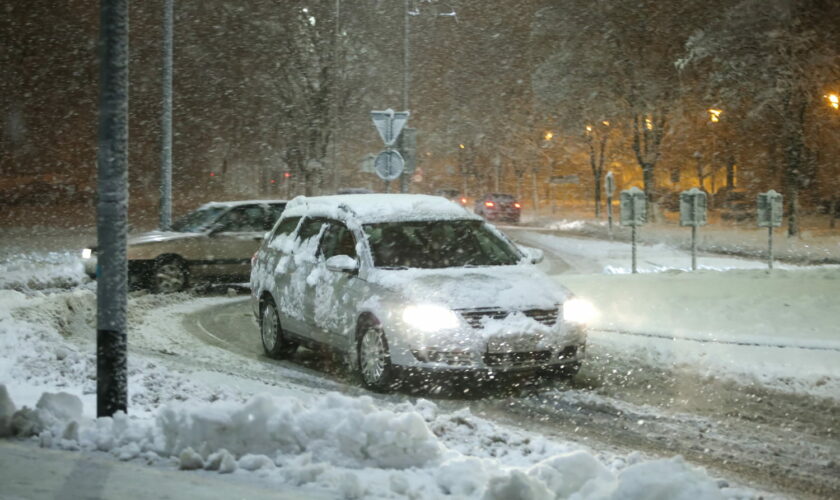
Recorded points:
(389, 123)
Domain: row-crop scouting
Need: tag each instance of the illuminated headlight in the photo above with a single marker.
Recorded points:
(429, 317)
(580, 311)
(87, 253)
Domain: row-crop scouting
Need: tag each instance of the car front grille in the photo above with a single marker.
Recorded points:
(475, 317)
(454, 358)
(516, 358)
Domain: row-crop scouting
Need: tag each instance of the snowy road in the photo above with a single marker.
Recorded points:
(779, 440)
(730, 406)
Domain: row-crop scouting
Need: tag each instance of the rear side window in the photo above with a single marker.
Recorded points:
(280, 240)
(286, 227)
(310, 228)
(249, 218)
(273, 212)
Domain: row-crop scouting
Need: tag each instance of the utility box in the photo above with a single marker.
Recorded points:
(770, 209)
(633, 207)
(693, 208)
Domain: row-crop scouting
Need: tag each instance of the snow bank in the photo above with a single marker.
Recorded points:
(42, 271)
(351, 432)
(346, 444)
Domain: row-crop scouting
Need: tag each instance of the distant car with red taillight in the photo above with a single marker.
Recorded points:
(498, 207)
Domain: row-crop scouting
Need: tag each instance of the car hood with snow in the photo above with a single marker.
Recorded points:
(504, 287)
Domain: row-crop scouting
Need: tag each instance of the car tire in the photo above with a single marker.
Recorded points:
(374, 360)
(274, 342)
(169, 275)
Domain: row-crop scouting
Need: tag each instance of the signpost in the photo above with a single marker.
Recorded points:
(389, 124)
(389, 164)
(693, 207)
(633, 213)
(609, 187)
(769, 216)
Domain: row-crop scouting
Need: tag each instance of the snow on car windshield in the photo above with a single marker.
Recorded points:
(436, 244)
(195, 222)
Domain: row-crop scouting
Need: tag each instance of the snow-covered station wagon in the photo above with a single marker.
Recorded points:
(410, 283)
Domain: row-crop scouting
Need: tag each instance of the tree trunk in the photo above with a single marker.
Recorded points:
(730, 172)
(650, 188)
(598, 176)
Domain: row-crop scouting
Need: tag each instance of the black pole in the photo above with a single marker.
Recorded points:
(111, 212)
(166, 121)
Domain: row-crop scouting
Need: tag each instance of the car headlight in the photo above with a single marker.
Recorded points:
(87, 253)
(430, 317)
(580, 311)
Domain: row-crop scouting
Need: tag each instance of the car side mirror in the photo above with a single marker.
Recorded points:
(342, 264)
(532, 255)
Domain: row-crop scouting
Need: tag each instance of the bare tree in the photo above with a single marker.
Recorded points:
(773, 57)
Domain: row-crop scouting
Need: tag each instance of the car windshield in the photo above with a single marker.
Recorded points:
(198, 221)
(437, 244)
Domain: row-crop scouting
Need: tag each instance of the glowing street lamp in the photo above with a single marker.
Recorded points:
(548, 135)
(648, 123)
(833, 100)
(714, 115)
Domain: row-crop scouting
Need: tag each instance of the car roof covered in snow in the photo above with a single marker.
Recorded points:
(237, 203)
(378, 207)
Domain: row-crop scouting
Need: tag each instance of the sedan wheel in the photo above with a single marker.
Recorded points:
(374, 360)
(170, 276)
(271, 333)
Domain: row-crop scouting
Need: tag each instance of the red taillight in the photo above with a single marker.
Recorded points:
(517, 205)
(489, 204)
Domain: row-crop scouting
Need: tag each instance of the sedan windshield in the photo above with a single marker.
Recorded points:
(198, 221)
(437, 244)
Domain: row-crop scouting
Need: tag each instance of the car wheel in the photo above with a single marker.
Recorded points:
(169, 275)
(375, 360)
(274, 342)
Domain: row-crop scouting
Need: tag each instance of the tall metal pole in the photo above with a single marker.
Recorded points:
(111, 210)
(336, 80)
(694, 247)
(770, 248)
(633, 237)
(166, 121)
(404, 178)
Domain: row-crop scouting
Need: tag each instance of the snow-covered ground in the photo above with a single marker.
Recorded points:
(193, 408)
(731, 318)
(198, 405)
